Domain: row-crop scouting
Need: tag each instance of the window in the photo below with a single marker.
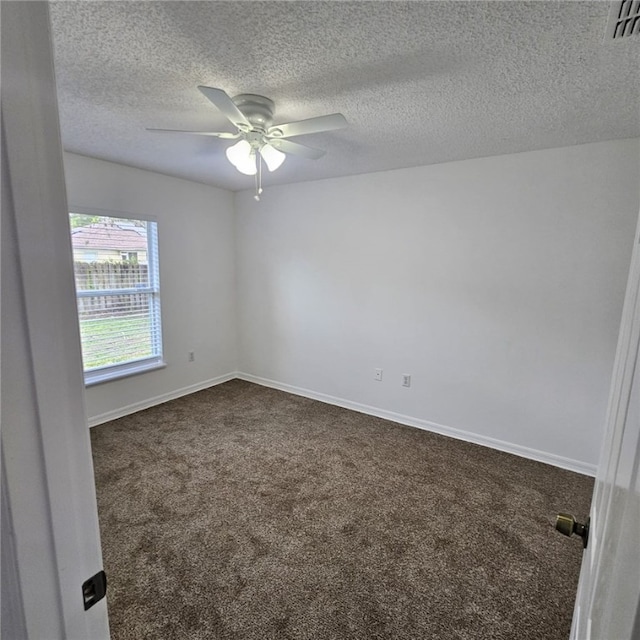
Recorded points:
(89, 256)
(118, 295)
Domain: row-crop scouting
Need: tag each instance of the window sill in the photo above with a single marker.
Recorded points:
(100, 376)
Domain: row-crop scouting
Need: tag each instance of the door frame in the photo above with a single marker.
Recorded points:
(50, 533)
(627, 351)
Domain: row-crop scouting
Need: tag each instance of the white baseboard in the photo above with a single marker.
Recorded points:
(467, 436)
(94, 421)
(518, 450)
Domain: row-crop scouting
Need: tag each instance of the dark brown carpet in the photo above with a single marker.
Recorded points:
(247, 513)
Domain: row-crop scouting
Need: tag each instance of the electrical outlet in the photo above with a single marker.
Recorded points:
(377, 374)
(406, 380)
(192, 356)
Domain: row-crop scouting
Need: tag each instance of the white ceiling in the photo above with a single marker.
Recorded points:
(419, 82)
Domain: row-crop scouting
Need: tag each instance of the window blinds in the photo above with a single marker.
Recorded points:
(118, 293)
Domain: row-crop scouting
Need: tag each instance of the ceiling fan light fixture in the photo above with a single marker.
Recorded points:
(272, 157)
(252, 115)
(242, 156)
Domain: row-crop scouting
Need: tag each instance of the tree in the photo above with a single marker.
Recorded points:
(82, 220)
(85, 220)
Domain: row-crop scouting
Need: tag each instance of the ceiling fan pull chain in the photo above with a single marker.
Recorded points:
(258, 177)
(257, 182)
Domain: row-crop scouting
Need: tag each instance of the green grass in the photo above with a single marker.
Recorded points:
(129, 336)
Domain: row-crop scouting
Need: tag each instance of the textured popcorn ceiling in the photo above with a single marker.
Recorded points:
(419, 82)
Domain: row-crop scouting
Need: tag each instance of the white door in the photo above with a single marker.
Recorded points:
(608, 599)
(50, 538)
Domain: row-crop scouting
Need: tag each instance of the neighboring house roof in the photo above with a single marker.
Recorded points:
(109, 236)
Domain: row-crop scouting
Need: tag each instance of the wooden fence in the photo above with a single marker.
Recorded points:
(96, 276)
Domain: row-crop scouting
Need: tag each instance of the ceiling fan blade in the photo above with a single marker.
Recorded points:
(226, 105)
(215, 134)
(312, 125)
(286, 146)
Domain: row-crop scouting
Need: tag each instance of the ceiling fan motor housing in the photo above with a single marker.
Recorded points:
(258, 110)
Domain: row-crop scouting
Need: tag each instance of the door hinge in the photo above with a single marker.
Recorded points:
(94, 589)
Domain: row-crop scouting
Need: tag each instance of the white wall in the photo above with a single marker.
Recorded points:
(497, 283)
(197, 278)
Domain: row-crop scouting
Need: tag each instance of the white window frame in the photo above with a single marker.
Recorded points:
(143, 365)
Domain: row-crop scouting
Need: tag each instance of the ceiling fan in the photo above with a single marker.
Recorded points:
(258, 138)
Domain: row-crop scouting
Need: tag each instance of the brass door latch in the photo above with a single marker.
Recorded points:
(567, 525)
